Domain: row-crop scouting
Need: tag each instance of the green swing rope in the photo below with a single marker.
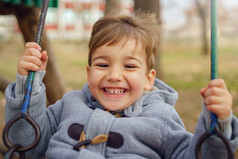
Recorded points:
(214, 74)
(214, 53)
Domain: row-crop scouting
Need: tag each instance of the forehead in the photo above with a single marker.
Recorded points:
(125, 47)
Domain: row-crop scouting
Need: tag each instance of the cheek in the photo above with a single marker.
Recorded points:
(137, 82)
(94, 78)
(91, 80)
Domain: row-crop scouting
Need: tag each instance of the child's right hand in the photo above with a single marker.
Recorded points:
(32, 59)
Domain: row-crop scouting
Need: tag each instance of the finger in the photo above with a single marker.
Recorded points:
(217, 83)
(213, 108)
(44, 61)
(44, 56)
(32, 45)
(215, 91)
(33, 52)
(32, 67)
(21, 69)
(213, 100)
(202, 92)
(32, 59)
(221, 112)
(27, 66)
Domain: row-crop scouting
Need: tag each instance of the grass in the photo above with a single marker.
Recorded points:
(72, 63)
(184, 68)
(187, 71)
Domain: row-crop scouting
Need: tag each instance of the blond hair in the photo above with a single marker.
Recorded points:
(111, 30)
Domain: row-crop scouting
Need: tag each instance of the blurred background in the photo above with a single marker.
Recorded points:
(183, 59)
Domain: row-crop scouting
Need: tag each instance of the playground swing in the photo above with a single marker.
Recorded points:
(24, 114)
(214, 74)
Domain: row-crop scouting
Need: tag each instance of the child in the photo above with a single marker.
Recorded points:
(123, 111)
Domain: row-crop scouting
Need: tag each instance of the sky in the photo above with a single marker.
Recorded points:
(173, 11)
(230, 3)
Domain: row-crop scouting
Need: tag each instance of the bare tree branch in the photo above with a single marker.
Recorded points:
(202, 11)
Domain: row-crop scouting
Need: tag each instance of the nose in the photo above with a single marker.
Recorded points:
(114, 74)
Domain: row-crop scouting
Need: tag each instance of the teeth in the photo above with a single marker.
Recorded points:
(114, 91)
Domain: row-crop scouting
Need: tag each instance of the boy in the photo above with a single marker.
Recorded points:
(123, 111)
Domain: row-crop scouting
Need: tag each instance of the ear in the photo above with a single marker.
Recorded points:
(150, 80)
(88, 74)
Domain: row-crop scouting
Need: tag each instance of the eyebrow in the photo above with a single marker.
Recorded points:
(127, 57)
(99, 57)
(133, 58)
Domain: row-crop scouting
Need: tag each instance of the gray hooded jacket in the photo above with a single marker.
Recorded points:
(149, 128)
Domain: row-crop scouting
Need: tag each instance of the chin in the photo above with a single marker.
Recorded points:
(114, 108)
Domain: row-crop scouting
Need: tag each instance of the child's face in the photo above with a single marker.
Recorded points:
(118, 75)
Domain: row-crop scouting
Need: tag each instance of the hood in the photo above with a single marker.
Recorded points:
(161, 92)
(169, 95)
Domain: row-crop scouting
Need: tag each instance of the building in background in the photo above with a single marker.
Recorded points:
(72, 20)
(8, 26)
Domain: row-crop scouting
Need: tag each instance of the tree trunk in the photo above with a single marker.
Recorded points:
(202, 11)
(152, 6)
(3, 83)
(27, 18)
(112, 7)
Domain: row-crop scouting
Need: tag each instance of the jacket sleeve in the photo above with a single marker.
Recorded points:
(47, 119)
(182, 144)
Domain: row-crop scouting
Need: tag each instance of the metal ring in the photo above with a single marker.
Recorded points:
(207, 135)
(6, 130)
(13, 149)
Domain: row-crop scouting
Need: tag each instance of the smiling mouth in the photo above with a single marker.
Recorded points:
(113, 91)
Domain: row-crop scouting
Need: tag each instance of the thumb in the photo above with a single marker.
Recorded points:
(202, 92)
(44, 60)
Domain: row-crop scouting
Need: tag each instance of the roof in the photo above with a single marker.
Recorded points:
(31, 3)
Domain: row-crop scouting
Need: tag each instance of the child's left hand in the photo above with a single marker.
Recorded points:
(217, 98)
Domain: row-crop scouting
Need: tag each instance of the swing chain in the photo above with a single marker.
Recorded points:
(14, 148)
(24, 112)
(206, 135)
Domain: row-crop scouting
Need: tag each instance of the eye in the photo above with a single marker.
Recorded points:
(102, 65)
(130, 66)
